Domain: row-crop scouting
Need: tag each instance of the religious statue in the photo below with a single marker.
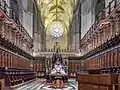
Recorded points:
(56, 58)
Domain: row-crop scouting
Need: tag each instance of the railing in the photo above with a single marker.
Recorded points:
(12, 15)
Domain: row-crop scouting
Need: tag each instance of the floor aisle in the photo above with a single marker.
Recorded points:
(39, 84)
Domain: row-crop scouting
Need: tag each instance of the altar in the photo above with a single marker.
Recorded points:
(57, 78)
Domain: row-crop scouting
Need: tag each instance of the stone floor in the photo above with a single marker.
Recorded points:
(39, 84)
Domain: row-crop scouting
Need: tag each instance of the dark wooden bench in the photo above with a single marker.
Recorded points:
(96, 81)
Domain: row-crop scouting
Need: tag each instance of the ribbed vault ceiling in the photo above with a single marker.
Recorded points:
(56, 11)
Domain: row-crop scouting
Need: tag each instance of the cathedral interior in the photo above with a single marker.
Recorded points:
(59, 45)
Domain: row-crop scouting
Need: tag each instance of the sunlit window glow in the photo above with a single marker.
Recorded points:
(56, 30)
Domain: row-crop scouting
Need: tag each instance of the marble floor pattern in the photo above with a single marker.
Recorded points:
(39, 84)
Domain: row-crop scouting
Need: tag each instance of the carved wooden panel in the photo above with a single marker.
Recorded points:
(112, 59)
(96, 82)
(105, 88)
(118, 56)
(0, 58)
(115, 58)
(119, 82)
(3, 59)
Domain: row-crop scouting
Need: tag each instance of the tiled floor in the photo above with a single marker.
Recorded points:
(39, 84)
(74, 84)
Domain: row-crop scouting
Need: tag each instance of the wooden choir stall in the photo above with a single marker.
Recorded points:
(74, 65)
(39, 66)
(14, 69)
(14, 57)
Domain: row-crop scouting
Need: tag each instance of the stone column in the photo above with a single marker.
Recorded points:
(77, 41)
(77, 32)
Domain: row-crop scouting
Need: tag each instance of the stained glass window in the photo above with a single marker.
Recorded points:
(56, 30)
